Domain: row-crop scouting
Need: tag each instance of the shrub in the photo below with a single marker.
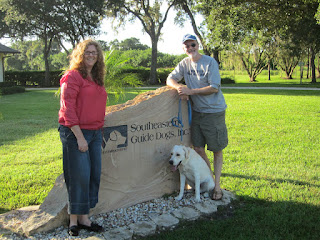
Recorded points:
(116, 77)
(11, 90)
(7, 84)
(227, 80)
(163, 74)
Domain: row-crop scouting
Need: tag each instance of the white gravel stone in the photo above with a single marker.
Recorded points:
(186, 213)
(206, 207)
(143, 228)
(121, 233)
(165, 220)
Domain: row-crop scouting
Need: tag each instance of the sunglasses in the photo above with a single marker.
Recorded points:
(191, 45)
(87, 53)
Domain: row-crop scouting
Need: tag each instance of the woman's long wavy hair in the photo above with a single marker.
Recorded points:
(77, 61)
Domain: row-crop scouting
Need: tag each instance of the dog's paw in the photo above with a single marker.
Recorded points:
(178, 198)
(197, 199)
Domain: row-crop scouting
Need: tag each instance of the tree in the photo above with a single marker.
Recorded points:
(289, 54)
(293, 19)
(4, 28)
(78, 19)
(132, 44)
(151, 18)
(31, 56)
(230, 28)
(115, 44)
(252, 52)
(296, 19)
(104, 45)
(190, 8)
(59, 61)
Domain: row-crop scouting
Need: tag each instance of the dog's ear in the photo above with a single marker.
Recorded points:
(186, 151)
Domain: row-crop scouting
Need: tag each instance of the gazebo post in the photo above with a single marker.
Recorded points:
(3, 51)
(1, 67)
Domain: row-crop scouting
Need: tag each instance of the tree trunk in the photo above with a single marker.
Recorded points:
(308, 64)
(46, 53)
(216, 55)
(252, 79)
(269, 71)
(206, 51)
(153, 69)
(289, 75)
(318, 68)
(312, 65)
(46, 82)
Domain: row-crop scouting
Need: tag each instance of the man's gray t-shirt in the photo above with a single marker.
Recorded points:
(203, 73)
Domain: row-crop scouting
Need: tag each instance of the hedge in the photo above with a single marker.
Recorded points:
(144, 74)
(32, 78)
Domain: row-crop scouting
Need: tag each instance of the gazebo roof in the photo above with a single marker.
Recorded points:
(4, 49)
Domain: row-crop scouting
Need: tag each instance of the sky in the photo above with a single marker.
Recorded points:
(170, 42)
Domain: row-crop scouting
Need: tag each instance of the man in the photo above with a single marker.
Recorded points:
(203, 85)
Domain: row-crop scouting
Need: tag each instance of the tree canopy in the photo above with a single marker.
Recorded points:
(69, 20)
(230, 22)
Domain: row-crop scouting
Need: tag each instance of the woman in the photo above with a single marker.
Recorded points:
(81, 117)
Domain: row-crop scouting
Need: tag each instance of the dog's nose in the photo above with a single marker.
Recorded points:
(171, 162)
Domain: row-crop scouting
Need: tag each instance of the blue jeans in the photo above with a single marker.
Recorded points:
(81, 170)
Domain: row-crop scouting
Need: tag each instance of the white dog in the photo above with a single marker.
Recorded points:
(192, 168)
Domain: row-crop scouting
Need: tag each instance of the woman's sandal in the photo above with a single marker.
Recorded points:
(216, 195)
(74, 230)
(93, 227)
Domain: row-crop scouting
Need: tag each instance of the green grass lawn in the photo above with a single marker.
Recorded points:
(272, 162)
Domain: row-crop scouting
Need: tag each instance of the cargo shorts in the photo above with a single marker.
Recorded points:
(210, 129)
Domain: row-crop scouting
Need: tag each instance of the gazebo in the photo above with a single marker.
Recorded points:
(3, 52)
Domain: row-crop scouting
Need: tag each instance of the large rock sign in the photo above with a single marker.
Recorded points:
(138, 137)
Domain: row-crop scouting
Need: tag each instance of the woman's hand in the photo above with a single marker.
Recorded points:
(82, 142)
(82, 145)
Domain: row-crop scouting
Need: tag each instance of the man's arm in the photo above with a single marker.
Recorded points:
(184, 90)
(173, 83)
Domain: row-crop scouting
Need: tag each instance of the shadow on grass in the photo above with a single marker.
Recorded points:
(271, 180)
(249, 218)
(3, 210)
(27, 114)
(272, 92)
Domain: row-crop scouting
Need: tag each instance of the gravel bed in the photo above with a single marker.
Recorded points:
(120, 217)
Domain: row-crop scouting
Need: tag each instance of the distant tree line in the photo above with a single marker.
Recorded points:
(136, 54)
